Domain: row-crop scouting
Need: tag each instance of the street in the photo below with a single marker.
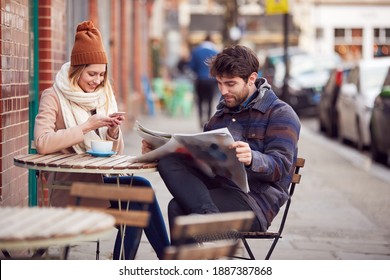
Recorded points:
(365, 183)
(340, 209)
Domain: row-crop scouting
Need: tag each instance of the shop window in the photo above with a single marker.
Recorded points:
(381, 42)
(339, 33)
(357, 33)
(349, 52)
(349, 43)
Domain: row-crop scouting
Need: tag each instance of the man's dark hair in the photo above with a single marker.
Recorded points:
(235, 61)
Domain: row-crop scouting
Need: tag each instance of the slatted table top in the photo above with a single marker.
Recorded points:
(83, 163)
(33, 227)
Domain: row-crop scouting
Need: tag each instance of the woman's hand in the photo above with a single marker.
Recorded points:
(113, 128)
(94, 122)
(146, 147)
(243, 152)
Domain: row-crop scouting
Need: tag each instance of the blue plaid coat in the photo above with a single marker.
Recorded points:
(271, 127)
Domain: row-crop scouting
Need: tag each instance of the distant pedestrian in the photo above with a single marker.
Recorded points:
(205, 85)
(183, 66)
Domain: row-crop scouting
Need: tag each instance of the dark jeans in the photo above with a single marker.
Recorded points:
(155, 232)
(195, 192)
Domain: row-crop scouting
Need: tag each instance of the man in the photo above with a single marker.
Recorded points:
(266, 132)
(204, 84)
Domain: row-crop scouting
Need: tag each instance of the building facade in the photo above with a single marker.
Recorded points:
(354, 29)
(36, 37)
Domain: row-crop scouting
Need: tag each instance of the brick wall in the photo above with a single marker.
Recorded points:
(14, 83)
(125, 44)
(52, 40)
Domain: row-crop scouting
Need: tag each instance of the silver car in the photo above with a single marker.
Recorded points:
(356, 100)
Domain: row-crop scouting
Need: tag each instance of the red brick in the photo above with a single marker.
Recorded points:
(45, 33)
(44, 11)
(45, 55)
(44, 44)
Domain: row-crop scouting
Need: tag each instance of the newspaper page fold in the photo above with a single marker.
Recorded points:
(210, 149)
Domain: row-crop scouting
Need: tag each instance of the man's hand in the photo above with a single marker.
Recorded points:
(146, 147)
(243, 152)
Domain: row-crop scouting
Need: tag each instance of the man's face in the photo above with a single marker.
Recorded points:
(234, 90)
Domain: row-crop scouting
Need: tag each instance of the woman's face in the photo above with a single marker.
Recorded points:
(92, 77)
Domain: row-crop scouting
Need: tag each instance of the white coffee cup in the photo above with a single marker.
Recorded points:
(101, 146)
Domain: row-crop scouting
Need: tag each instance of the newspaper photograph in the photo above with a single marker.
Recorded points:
(210, 149)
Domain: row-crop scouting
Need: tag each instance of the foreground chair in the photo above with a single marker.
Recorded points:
(212, 236)
(300, 163)
(123, 217)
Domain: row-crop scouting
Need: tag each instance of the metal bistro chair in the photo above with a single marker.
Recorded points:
(210, 236)
(300, 163)
(123, 217)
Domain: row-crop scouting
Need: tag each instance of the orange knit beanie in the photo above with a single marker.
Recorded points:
(88, 46)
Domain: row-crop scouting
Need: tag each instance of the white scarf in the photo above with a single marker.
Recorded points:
(76, 106)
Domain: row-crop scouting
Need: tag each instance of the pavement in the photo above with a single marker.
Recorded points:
(332, 215)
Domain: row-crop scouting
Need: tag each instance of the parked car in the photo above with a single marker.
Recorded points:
(327, 111)
(307, 76)
(275, 56)
(380, 124)
(356, 100)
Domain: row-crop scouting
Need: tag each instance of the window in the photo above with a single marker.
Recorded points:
(349, 43)
(381, 42)
(319, 33)
(339, 33)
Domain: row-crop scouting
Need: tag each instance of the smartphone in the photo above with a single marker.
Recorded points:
(117, 114)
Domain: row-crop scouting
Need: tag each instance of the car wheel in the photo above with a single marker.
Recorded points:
(340, 137)
(376, 155)
(322, 127)
(333, 127)
(359, 142)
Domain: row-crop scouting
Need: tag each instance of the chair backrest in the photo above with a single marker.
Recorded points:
(137, 218)
(296, 179)
(299, 163)
(218, 234)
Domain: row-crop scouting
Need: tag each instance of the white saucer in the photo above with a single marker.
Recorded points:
(97, 154)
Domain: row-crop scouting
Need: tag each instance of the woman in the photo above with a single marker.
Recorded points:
(77, 109)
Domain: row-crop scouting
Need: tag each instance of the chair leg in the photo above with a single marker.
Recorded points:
(271, 249)
(6, 254)
(97, 250)
(66, 253)
(39, 253)
(248, 249)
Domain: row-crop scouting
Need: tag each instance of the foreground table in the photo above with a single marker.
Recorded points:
(81, 163)
(37, 228)
(115, 165)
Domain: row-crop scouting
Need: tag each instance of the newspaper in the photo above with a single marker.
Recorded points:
(210, 149)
